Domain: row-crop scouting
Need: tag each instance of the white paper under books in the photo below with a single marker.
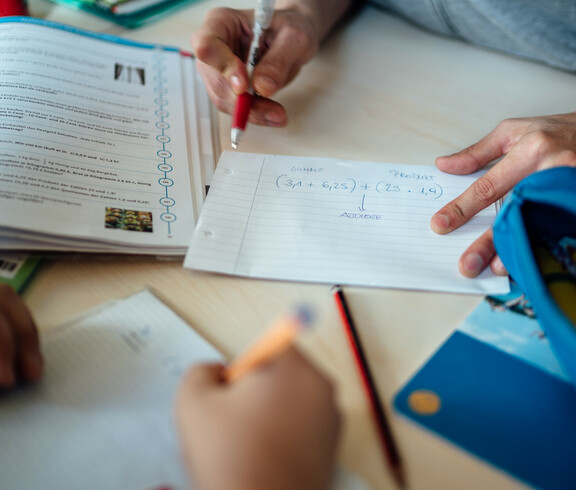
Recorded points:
(337, 222)
(106, 145)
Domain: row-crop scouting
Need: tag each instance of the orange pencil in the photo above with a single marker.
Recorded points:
(273, 341)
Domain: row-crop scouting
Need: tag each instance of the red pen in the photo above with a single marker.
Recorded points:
(240, 117)
(384, 431)
(13, 7)
(262, 19)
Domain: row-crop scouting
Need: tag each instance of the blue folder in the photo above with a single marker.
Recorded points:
(506, 401)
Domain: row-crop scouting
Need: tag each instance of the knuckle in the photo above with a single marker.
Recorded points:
(201, 46)
(298, 38)
(567, 157)
(277, 63)
(539, 143)
(459, 211)
(218, 13)
(485, 190)
(507, 125)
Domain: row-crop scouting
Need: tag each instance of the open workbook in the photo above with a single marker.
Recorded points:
(106, 145)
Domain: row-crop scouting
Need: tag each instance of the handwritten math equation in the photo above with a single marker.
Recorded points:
(418, 185)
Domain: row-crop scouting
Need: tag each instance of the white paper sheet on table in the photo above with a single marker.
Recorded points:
(336, 222)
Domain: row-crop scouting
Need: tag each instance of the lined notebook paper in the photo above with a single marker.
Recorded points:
(101, 418)
(336, 222)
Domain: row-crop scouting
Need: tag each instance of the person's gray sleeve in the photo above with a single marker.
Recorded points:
(542, 30)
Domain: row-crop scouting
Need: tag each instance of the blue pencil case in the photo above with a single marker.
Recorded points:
(535, 236)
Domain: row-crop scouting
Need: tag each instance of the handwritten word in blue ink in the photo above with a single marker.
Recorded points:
(411, 175)
(306, 169)
(362, 216)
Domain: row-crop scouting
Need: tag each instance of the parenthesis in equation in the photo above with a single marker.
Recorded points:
(278, 180)
(441, 191)
(353, 185)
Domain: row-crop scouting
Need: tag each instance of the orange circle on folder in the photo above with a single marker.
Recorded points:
(424, 402)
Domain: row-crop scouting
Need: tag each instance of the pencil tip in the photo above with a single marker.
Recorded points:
(399, 476)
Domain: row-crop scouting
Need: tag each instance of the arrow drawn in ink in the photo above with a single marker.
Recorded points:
(362, 208)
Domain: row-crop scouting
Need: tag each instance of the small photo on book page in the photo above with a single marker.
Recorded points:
(337, 222)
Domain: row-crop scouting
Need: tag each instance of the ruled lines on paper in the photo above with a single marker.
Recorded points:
(331, 221)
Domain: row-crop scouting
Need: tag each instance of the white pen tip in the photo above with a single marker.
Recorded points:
(235, 137)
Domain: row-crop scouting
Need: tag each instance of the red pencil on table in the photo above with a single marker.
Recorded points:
(386, 438)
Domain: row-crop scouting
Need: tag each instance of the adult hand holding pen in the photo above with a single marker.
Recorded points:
(221, 46)
(526, 145)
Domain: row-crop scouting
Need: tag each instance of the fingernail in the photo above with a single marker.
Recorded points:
(440, 223)
(274, 118)
(235, 82)
(498, 267)
(265, 85)
(472, 264)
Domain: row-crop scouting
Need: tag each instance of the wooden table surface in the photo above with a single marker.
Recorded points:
(379, 90)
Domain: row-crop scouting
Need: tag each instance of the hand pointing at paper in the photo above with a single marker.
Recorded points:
(526, 145)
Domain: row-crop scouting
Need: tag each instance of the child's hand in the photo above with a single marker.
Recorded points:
(276, 427)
